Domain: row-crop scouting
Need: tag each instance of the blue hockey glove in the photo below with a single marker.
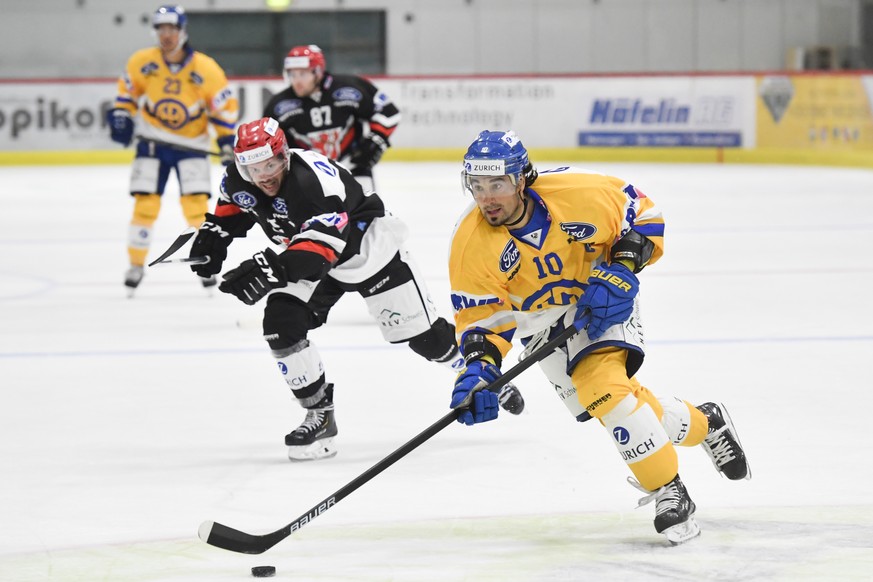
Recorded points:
(225, 146)
(484, 404)
(120, 126)
(255, 277)
(609, 298)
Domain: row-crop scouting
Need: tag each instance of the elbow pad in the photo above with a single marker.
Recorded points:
(633, 247)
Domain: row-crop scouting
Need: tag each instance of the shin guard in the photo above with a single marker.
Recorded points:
(642, 442)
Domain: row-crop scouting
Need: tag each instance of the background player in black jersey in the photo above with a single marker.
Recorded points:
(343, 117)
(335, 238)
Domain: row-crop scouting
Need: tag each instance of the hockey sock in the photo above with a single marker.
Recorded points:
(194, 207)
(145, 212)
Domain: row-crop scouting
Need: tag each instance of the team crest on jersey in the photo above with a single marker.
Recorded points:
(509, 257)
(243, 199)
(347, 94)
(579, 230)
(288, 106)
(280, 206)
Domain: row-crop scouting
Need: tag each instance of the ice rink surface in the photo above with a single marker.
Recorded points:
(125, 423)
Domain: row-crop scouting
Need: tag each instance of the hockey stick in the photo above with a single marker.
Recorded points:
(177, 244)
(228, 538)
(179, 147)
(187, 260)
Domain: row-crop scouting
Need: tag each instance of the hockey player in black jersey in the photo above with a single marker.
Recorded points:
(334, 238)
(343, 117)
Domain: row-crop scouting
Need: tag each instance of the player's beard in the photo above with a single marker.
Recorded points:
(505, 215)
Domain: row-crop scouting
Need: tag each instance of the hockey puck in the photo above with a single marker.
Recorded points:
(263, 571)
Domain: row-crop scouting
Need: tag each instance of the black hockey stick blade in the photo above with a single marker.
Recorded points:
(175, 146)
(177, 244)
(228, 538)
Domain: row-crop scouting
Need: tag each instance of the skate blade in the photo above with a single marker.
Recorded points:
(682, 532)
(321, 449)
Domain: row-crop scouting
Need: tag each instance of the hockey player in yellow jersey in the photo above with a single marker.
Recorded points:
(538, 252)
(179, 94)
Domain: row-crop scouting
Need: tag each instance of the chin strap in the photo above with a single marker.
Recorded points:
(525, 201)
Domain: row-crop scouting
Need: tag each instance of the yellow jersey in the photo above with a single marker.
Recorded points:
(523, 280)
(178, 103)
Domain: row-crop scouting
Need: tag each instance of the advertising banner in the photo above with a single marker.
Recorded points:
(816, 112)
(666, 112)
(55, 116)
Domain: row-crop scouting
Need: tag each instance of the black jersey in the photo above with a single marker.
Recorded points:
(319, 214)
(332, 119)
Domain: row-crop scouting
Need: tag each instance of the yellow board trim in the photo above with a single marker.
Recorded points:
(856, 159)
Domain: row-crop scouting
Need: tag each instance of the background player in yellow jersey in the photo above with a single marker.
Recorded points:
(539, 252)
(180, 93)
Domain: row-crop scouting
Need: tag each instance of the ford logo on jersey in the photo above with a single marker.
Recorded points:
(280, 206)
(509, 257)
(243, 199)
(579, 230)
(347, 94)
(287, 106)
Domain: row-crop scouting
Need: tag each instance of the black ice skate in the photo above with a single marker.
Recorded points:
(722, 443)
(674, 511)
(132, 278)
(313, 439)
(510, 399)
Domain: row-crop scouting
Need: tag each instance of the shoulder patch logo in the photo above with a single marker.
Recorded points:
(243, 199)
(326, 168)
(579, 230)
(509, 257)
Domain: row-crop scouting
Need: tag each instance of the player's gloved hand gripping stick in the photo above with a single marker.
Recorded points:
(228, 538)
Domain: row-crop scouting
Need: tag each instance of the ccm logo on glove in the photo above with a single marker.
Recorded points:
(264, 264)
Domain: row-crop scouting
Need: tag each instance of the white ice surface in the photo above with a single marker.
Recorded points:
(125, 423)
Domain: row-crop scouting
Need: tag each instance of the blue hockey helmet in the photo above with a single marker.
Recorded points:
(170, 14)
(496, 153)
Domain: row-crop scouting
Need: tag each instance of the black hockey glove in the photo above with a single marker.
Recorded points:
(225, 147)
(211, 241)
(369, 152)
(120, 126)
(254, 277)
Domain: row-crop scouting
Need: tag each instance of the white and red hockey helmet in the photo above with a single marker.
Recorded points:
(259, 141)
(307, 56)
